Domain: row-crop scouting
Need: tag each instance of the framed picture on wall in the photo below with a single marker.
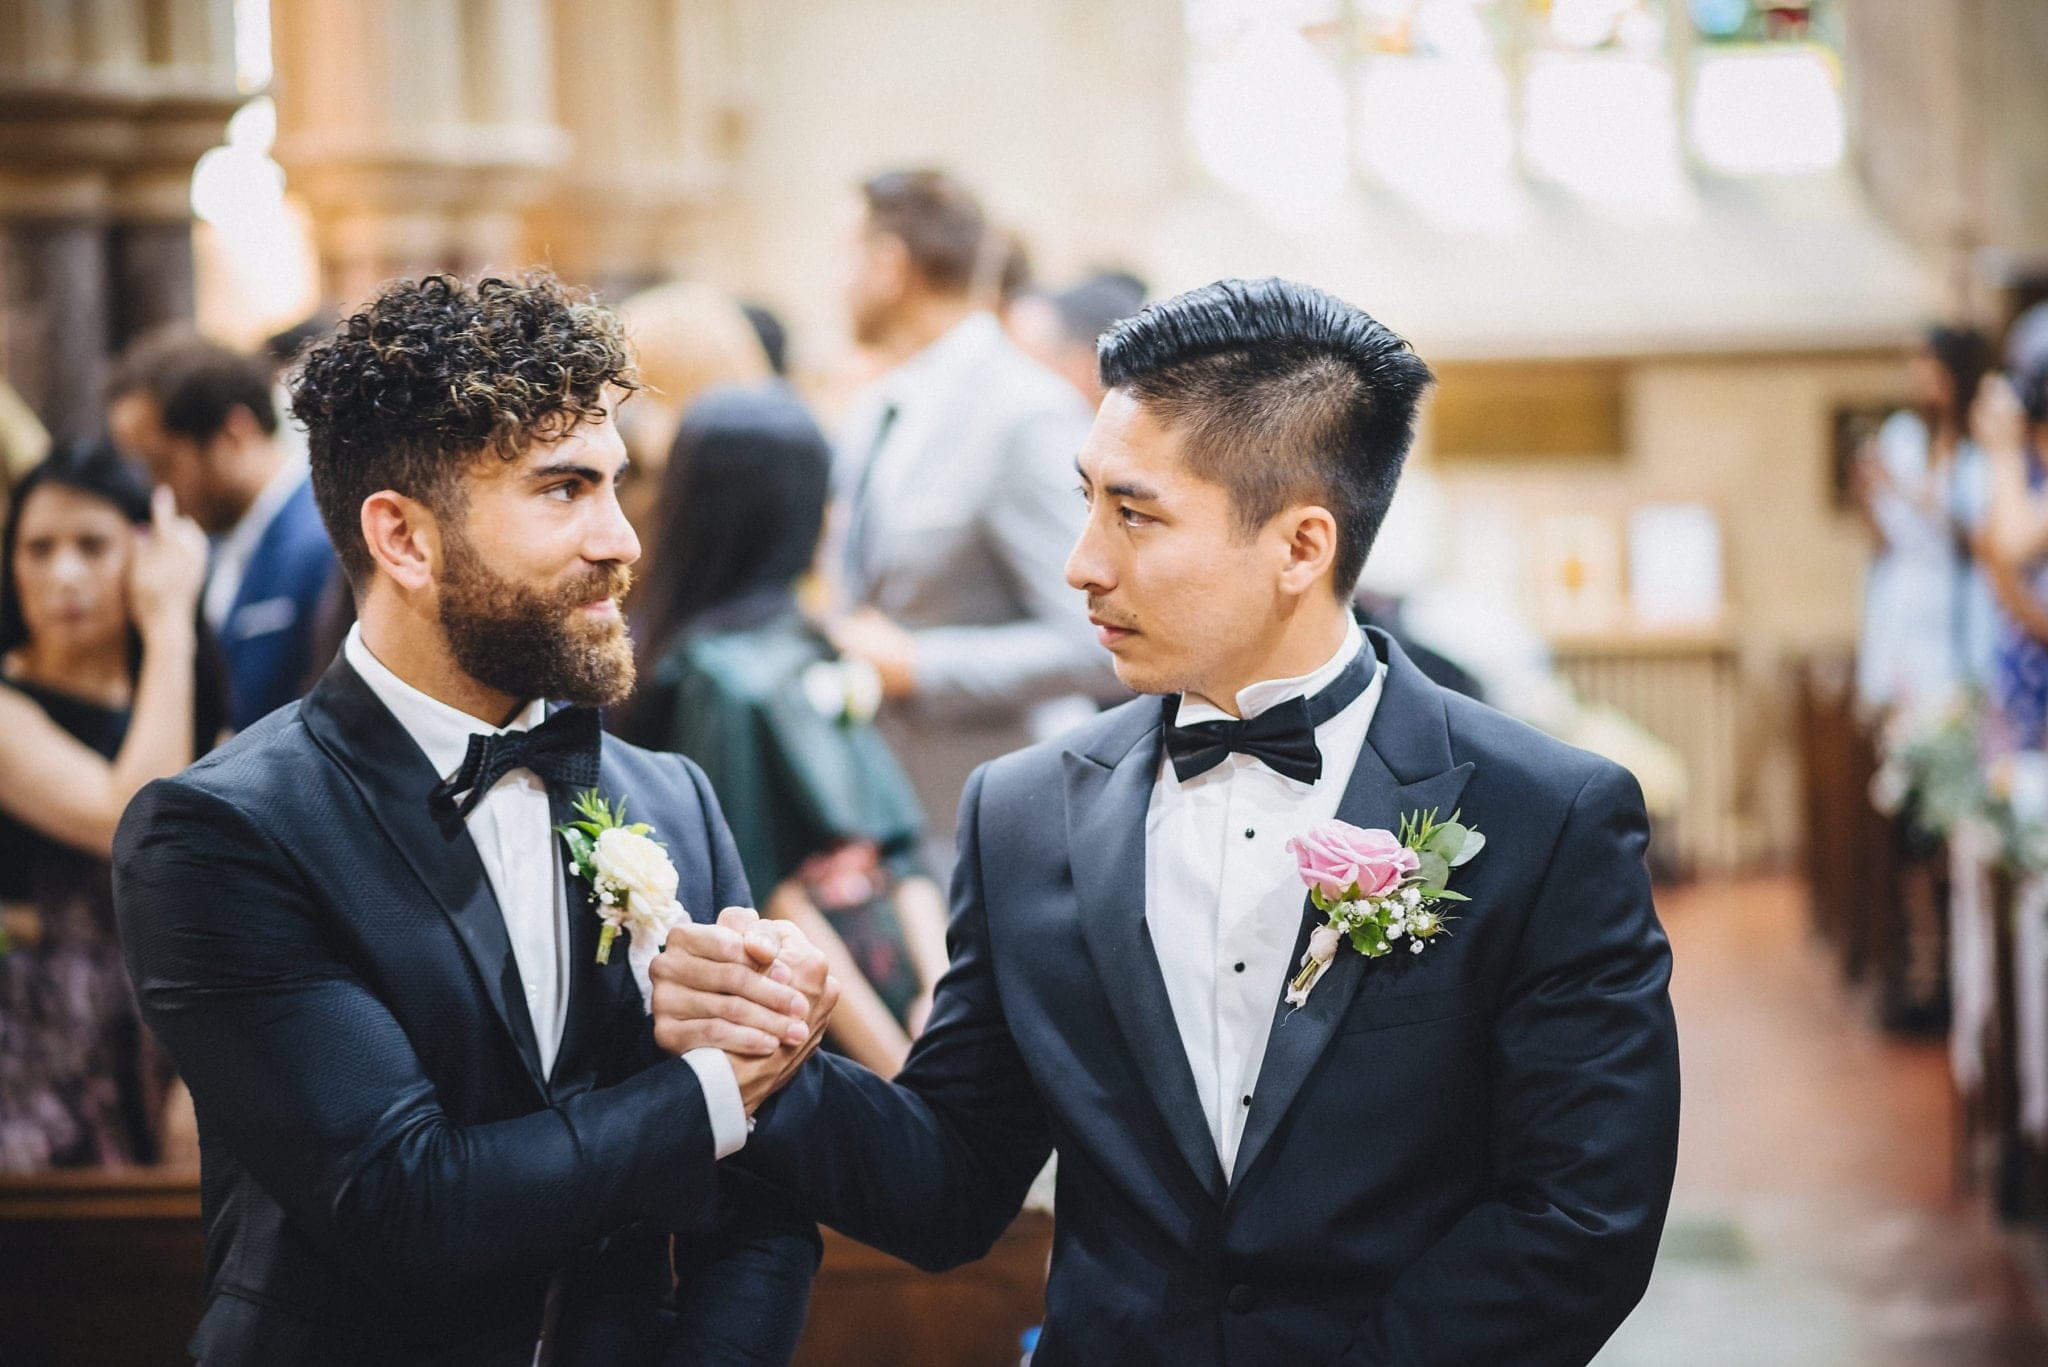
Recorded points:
(1854, 426)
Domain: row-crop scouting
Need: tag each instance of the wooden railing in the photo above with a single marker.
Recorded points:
(103, 1269)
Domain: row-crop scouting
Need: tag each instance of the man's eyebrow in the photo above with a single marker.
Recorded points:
(590, 473)
(1121, 488)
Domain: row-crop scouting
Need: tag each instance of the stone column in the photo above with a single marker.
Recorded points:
(648, 89)
(417, 131)
(102, 115)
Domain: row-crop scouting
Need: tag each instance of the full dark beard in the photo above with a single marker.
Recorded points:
(535, 642)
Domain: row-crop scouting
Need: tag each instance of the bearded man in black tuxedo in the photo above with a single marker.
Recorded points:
(1459, 1156)
(434, 1127)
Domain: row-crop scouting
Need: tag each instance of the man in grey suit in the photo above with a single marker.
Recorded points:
(960, 504)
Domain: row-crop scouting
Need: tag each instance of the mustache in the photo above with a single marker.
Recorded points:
(1101, 612)
(604, 581)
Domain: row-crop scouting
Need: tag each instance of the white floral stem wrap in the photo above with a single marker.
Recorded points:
(632, 880)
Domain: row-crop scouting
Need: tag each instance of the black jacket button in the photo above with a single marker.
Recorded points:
(1241, 1298)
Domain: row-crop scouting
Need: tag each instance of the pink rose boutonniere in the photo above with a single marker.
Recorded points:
(1378, 887)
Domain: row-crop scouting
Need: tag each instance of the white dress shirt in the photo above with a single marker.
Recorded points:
(231, 553)
(1223, 901)
(512, 827)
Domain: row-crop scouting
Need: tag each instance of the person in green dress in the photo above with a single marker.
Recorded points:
(734, 675)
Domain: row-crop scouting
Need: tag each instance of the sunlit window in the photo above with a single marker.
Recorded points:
(1455, 105)
(1766, 88)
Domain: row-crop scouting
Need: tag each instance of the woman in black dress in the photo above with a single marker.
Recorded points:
(734, 676)
(105, 684)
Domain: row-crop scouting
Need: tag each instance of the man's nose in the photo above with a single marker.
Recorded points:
(1087, 568)
(613, 539)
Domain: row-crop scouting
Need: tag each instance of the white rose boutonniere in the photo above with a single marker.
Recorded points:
(632, 881)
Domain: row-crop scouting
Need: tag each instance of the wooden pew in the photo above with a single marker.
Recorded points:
(103, 1269)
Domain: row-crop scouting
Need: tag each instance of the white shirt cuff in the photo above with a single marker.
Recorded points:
(721, 1098)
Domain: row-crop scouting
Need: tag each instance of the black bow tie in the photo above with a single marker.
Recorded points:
(562, 750)
(1283, 737)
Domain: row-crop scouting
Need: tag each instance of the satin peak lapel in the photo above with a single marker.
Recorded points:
(395, 780)
(1107, 797)
(1405, 766)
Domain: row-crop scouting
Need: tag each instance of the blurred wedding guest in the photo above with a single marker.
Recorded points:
(1929, 617)
(106, 682)
(957, 478)
(204, 420)
(2009, 421)
(688, 337)
(736, 678)
(1059, 330)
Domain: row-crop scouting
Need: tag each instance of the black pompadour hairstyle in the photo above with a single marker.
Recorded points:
(1282, 394)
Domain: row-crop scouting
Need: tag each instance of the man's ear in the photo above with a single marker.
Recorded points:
(241, 425)
(1309, 547)
(404, 539)
(892, 264)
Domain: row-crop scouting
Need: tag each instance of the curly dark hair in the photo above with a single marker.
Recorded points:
(436, 373)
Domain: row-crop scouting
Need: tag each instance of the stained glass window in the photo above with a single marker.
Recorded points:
(1456, 105)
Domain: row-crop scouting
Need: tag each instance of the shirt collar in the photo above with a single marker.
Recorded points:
(1253, 699)
(442, 732)
(953, 349)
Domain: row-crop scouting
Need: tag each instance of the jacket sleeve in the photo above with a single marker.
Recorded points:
(933, 1167)
(1584, 1127)
(1032, 521)
(303, 1074)
(743, 1284)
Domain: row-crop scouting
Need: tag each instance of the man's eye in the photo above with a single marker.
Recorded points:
(1131, 517)
(1087, 496)
(561, 493)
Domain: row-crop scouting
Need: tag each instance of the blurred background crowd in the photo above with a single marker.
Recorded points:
(1734, 473)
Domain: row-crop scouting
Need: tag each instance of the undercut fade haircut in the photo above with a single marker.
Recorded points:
(195, 382)
(436, 373)
(1283, 395)
(936, 218)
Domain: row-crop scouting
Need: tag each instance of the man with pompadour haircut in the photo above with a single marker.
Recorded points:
(1340, 996)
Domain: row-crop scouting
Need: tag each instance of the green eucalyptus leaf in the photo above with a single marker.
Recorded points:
(1434, 871)
(1446, 895)
(1474, 842)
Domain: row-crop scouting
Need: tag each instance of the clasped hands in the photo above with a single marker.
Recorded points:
(754, 988)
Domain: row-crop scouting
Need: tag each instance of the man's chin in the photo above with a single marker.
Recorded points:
(1139, 679)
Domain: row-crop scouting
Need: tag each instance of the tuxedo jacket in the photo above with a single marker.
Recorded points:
(1457, 1157)
(266, 639)
(386, 1174)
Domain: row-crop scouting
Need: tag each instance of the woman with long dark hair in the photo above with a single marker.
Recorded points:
(735, 677)
(106, 682)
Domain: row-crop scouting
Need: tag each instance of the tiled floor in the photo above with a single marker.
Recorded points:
(1815, 1220)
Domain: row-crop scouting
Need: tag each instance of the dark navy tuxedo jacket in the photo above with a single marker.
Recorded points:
(266, 639)
(1459, 1158)
(387, 1176)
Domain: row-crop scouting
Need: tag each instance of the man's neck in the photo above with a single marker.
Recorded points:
(407, 639)
(1304, 645)
(924, 319)
(100, 672)
(253, 473)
